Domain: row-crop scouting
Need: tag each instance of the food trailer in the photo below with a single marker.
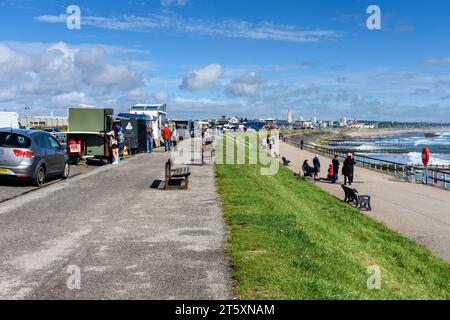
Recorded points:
(158, 112)
(86, 133)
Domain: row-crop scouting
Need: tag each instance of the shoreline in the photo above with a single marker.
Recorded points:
(366, 133)
(321, 138)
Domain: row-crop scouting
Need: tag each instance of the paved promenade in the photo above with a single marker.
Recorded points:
(129, 241)
(419, 212)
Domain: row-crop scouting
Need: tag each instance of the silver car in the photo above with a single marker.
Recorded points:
(60, 136)
(31, 155)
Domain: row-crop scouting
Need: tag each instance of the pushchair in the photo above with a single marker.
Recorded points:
(308, 172)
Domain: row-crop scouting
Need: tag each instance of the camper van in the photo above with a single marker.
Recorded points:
(9, 120)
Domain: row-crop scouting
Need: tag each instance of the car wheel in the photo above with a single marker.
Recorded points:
(66, 171)
(39, 177)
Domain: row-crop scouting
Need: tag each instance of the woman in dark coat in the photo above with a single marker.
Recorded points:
(348, 169)
(316, 163)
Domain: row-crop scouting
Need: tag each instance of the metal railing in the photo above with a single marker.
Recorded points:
(434, 175)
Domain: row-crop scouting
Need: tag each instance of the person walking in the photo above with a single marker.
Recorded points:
(302, 143)
(167, 135)
(174, 135)
(149, 138)
(316, 164)
(120, 140)
(269, 146)
(336, 165)
(114, 145)
(348, 169)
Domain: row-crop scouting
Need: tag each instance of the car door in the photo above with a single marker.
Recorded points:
(58, 155)
(46, 152)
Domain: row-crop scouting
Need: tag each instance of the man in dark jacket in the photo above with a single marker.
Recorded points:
(348, 169)
(336, 165)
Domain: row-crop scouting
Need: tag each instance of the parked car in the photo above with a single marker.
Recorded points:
(31, 155)
(60, 136)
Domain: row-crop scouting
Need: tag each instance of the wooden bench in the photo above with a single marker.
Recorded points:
(361, 201)
(177, 178)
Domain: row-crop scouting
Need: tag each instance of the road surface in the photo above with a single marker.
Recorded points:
(124, 238)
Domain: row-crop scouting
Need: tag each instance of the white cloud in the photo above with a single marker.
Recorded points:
(162, 96)
(74, 98)
(53, 18)
(198, 102)
(58, 75)
(168, 3)
(227, 28)
(6, 54)
(207, 77)
(438, 61)
(249, 84)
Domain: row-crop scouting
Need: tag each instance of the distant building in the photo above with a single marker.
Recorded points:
(234, 120)
(343, 122)
(289, 116)
(307, 124)
(43, 121)
(222, 121)
(359, 125)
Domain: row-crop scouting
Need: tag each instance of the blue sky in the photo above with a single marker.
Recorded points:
(207, 58)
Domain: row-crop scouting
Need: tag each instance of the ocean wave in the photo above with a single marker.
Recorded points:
(435, 160)
(366, 148)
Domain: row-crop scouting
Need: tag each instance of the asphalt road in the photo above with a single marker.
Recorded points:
(115, 236)
(10, 189)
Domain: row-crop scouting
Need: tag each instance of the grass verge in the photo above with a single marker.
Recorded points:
(291, 240)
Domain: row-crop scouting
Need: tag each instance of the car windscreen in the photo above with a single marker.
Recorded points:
(14, 140)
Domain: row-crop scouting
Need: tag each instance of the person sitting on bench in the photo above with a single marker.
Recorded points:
(286, 162)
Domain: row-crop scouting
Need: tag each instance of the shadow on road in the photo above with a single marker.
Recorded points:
(157, 184)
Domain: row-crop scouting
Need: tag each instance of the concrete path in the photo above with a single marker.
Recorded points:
(128, 240)
(419, 212)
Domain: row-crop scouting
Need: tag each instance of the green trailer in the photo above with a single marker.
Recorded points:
(86, 135)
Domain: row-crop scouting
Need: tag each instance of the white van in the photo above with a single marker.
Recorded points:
(9, 120)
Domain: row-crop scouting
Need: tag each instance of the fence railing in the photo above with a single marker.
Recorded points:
(434, 175)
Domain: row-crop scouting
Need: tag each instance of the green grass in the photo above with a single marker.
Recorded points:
(290, 240)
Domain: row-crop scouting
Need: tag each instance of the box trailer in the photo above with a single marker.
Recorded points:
(9, 120)
(86, 133)
(135, 131)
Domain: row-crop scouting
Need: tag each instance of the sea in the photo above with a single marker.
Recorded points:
(405, 148)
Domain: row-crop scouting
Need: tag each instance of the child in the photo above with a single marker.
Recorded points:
(330, 173)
